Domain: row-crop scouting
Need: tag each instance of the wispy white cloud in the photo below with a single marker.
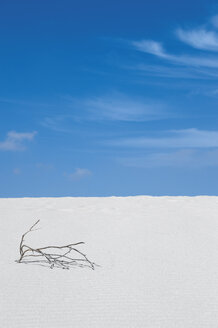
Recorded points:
(176, 72)
(78, 174)
(204, 38)
(118, 107)
(57, 123)
(16, 140)
(156, 48)
(199, 38)
(112, 107)
(188, 138)
(181, 158)
(209, 92)
(151, 47)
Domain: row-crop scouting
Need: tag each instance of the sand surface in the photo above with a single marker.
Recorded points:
(158, 257)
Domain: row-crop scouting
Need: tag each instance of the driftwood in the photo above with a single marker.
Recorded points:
(53, 256)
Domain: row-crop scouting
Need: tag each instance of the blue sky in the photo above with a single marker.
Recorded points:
(102, 98)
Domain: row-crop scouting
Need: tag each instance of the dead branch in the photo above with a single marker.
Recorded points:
(53, 256)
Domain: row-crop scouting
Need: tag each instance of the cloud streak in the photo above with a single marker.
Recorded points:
(176, 72)
(115, 107)
(118, 107)
(203, 38)
(79, 174)
(199, 38)
(15, 141)
(155, 48)
(188, 138)
(180, 158)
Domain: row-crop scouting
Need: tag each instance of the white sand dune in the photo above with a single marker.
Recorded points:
(158, 257)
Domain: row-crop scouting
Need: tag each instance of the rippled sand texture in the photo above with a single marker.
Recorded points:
(158, 260)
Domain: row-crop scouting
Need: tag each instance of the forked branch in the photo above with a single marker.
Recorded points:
(53, 256)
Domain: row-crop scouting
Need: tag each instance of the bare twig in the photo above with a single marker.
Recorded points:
(53, 256)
